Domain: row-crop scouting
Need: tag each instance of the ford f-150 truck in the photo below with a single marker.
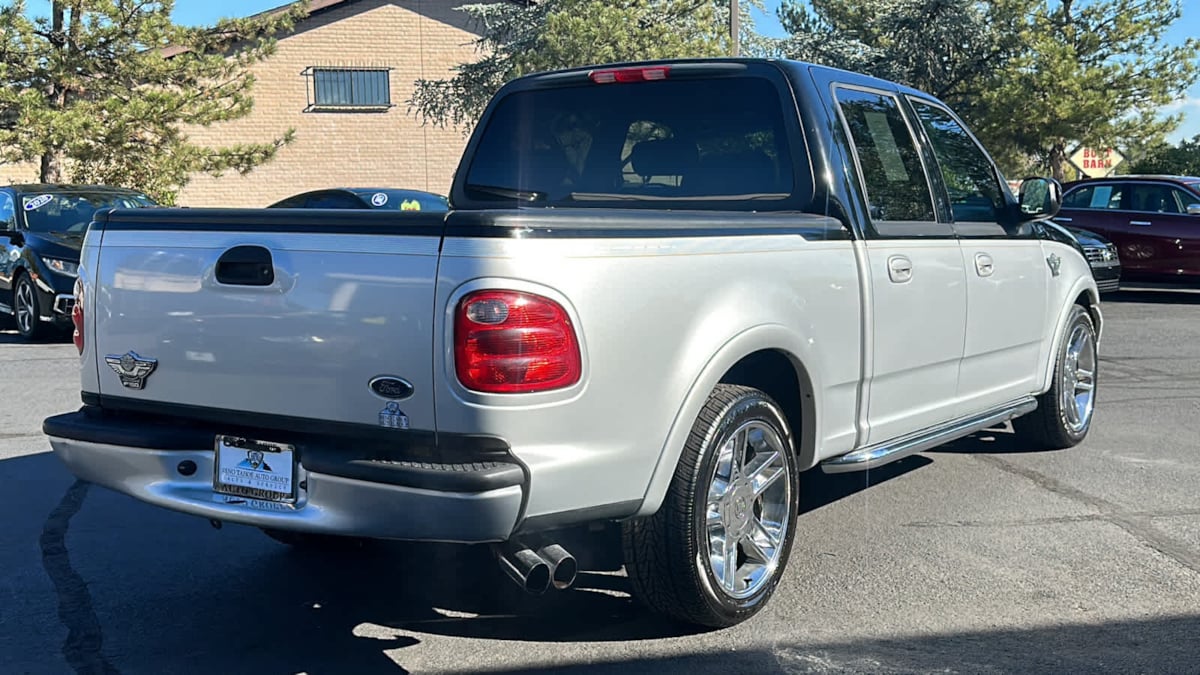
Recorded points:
(662, 291)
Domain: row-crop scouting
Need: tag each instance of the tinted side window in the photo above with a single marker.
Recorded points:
(8, 212)
(333, 201)
(290, 203)
(974, 189)
(1185, 199)
(1153, 198)
(893, 177)
(1094, 197)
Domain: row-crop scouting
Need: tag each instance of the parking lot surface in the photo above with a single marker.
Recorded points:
(978, 557)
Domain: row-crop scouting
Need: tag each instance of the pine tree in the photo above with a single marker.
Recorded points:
(103, 91)
(1032, 77)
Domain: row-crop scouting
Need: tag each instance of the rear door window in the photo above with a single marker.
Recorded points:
(720, 140)
(1104, 196)
(897, 190)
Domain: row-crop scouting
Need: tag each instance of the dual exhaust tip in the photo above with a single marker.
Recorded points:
(536, 571)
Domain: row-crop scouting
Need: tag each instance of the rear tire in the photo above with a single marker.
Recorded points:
(715, 551)
(1064, 413)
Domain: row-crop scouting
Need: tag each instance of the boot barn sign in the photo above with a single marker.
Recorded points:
(1095, 163)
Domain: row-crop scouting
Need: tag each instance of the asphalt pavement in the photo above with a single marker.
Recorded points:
(978, 557)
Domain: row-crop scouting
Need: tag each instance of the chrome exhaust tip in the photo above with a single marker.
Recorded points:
(563, 567)
(526, 568)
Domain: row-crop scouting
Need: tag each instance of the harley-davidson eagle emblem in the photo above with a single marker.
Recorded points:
(132, 369)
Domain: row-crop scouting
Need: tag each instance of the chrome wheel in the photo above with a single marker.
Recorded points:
(25, 308)
(1079, 379)
(748, 514)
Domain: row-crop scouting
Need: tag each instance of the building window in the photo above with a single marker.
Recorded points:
(349, 89)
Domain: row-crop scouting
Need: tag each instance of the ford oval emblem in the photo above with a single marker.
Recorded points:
(391, 388)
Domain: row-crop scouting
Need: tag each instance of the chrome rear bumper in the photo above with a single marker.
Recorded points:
(326, 504)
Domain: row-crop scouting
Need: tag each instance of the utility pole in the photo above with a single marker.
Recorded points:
(734, 32)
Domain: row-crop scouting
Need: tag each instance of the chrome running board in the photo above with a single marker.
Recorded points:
(874, 456)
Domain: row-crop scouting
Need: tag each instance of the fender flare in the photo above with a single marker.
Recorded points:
(1085, 286)
(757, 338)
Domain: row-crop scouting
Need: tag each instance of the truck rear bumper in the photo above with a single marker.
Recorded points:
(426, 508)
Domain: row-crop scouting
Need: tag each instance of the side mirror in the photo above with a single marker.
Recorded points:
(1193, 209)
(1040, 198)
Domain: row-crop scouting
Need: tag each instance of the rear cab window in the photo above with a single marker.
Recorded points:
(689, 138)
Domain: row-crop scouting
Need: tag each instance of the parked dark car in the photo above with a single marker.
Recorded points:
(41, 233)
(1101, 254)
(1153, 220)
(365, 198)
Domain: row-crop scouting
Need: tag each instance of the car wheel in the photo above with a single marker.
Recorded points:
(1064, 413)
(715, 551)
(27, 311)
(315, 542)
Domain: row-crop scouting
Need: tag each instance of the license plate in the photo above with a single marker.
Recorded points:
(255, 469)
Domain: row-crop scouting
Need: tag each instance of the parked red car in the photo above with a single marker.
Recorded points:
(1153, 220)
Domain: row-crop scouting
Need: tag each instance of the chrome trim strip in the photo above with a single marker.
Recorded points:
(5, 309)
(60, 304)
(874, 456)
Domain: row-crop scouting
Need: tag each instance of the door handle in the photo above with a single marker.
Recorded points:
(1140, 223)
(983, 264)
(246, 266)
(899, 269)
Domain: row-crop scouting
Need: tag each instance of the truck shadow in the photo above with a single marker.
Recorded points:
(135, 586)
(819, 489)
(149, 585)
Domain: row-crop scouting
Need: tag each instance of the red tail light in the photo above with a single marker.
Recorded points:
(77, 316)
(623, 75)
(509, 342)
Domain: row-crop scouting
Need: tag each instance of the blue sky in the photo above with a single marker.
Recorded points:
(207, 11)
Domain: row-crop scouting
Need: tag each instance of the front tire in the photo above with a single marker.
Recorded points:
(715, 551)
(27, 310)
(1064, 413)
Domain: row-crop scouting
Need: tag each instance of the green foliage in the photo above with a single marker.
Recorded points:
(944, 47)
(102, 91)
(1179, 160)
(1031, 77)
(516, 40)
(1097, 74)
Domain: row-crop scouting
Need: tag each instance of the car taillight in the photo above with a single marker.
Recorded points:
(624, 75)
(509, 342)
(77, 316)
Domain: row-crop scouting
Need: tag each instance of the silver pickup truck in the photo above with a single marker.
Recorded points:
(663, 290)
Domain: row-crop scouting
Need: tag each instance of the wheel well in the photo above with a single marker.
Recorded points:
(1086, 301)
(784, 379)
(12, 288)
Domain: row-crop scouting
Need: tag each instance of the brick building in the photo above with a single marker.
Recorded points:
(341, 79)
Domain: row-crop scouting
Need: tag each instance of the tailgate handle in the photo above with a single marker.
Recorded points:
(246, 266)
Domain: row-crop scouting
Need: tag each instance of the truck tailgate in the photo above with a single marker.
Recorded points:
(279, 312)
